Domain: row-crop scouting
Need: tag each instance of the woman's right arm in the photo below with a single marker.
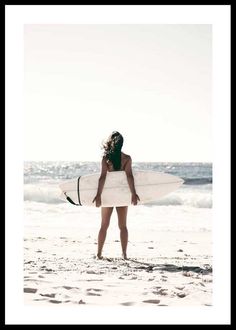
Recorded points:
(130, 179)
(101, 183)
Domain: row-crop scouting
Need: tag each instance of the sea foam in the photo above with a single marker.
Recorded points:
(50, 194)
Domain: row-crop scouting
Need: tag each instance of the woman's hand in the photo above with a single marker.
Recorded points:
(135, 198)
(98, 201)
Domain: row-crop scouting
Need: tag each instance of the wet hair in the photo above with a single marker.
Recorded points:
(112, 149)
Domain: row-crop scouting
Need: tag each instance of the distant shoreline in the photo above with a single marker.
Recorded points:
(134, 162)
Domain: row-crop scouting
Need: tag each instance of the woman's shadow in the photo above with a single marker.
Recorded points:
(171, 267)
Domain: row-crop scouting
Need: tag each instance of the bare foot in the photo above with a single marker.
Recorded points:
(99, 256)
(125, 256)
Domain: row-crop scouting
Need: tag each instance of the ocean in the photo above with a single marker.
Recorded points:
(41, 181)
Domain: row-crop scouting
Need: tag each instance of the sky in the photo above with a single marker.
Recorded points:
(150, 82)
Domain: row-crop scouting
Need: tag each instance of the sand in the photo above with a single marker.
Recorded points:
(169, 258)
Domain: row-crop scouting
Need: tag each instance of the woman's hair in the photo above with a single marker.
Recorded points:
(112, 149)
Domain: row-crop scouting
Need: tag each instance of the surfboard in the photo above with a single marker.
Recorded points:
(150, 186)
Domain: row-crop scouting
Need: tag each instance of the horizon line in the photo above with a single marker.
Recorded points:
(138, 161)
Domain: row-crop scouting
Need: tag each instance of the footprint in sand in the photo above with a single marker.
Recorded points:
(67, 287)
(181, 294)
(160, 291)
(128, 303)
(164, 278)
(91, 272)
(49, 295)
(30, 290)
(80, 302)
(54, 301)
(152, 301)
(180, 287)
(93, 292)
(30, 262)
(94, 289)
(70, 287)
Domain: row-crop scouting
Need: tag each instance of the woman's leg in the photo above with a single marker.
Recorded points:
(122, 216)
(106, 216)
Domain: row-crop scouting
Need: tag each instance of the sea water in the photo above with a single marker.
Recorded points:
(41, 180)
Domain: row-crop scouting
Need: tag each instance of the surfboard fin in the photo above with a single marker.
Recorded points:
(70, 200)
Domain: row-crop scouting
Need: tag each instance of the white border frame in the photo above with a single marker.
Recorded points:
(16, 17)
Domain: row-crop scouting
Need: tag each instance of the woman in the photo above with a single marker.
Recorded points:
(115, 160)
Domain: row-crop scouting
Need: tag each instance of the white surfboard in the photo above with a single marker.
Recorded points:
(149, 185)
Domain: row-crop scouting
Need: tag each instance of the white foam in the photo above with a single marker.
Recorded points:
(194, 199)
(51, 194)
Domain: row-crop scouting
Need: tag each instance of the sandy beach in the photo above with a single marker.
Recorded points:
(169, 251)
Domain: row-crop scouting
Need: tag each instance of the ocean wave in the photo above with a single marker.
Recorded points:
(198, 200)
(42, 194)
(197, 181)
(50, 194)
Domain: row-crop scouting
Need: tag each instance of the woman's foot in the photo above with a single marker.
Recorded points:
(125, 256)
(99, 256)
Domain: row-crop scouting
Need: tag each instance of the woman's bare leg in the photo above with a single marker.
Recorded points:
(122, 216)
(106, 216)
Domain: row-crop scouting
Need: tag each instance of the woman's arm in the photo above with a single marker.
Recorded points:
(130, 179)
(101, 183)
